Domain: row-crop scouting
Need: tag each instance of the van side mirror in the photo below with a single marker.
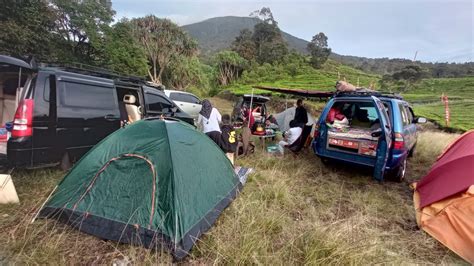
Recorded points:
(420, 120)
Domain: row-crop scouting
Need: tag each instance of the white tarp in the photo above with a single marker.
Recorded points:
(7, 190)
(283, 119)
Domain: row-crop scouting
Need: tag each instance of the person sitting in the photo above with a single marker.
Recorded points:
(290, 136)
(271, 123)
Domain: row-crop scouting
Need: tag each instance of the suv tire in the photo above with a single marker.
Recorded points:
(398, 173)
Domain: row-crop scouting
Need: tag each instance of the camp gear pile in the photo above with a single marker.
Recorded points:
(154, 183)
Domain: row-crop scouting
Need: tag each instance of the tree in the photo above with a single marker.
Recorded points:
(25, 28)
(319, 50)
(269, 44)
(244, 45)
(229, 66)
(184, 72)
(81, 26)
(410, 73)
(123, 52)
(163, 41)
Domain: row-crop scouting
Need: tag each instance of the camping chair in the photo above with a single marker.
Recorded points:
(245, 143)
(296, 146)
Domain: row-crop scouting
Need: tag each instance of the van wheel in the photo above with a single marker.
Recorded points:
(398, 174)
(65, 162)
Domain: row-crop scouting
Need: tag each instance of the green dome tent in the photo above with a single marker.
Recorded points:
(154, 183)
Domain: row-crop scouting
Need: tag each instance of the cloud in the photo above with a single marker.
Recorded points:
(370, 28)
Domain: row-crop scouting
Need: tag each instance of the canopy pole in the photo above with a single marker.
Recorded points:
(250, 113)
(19, 79)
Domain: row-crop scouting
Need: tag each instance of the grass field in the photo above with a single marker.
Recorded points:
(425, 95)
(323, 79)
(291, 211)
(461, 113)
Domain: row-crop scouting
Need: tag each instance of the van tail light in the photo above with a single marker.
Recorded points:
(23, 121)
(399, 142)
(316, 131)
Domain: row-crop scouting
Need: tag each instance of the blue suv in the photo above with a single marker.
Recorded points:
(368, 128)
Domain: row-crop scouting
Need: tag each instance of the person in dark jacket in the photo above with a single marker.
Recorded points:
(301, 115)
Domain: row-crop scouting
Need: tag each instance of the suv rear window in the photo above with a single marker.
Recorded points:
(184, 97)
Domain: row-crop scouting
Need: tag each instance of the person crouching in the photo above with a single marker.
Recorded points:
(290, 136)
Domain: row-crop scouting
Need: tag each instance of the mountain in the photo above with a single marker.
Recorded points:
(216, 34)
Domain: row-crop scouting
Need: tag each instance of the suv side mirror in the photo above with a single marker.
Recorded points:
(420, 120)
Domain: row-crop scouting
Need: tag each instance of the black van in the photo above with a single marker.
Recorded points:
(62, 112)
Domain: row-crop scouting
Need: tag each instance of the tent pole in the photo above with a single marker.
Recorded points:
(42, 205)
(250, 113)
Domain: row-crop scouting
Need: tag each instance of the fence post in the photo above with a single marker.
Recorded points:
(444, 99)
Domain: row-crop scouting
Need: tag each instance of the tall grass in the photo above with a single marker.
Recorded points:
(291, 211)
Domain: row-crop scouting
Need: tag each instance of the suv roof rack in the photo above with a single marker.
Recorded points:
(94, 71)
(366, 92)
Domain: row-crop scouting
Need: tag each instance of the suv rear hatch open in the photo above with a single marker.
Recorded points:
(356, 130)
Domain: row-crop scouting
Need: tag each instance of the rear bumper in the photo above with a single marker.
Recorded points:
(19, 152)
(343, 156)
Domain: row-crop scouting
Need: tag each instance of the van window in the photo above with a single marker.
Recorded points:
(157, 103)
(46, 90)
(86, 96)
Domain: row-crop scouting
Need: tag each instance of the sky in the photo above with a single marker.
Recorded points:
(438, 31)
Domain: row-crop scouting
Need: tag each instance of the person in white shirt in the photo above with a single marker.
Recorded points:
(290, 136)
(209, 120)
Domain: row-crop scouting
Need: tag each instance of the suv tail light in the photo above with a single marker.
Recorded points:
(23, 121)
(399, 142)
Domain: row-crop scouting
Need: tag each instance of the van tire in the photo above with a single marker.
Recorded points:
(65, 162)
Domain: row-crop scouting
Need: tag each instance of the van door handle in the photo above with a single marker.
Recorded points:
(110, 117)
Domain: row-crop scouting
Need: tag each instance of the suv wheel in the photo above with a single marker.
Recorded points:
(398, 174)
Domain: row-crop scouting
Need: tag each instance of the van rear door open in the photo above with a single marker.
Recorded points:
(385, 141)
